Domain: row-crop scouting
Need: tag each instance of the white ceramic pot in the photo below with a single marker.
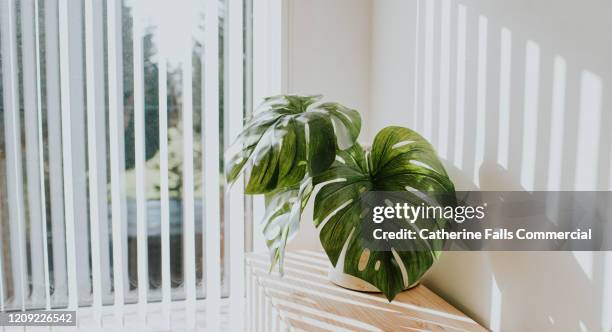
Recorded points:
(338, 277)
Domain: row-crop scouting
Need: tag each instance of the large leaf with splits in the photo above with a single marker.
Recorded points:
(400, 161)
(282, 219)
(287, 138)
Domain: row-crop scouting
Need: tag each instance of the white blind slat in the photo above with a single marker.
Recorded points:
(234, 105)
(139, 148)
(43, 207)
(96, 138)
(211, 165)
(54, 134)
(12, 132)
(65, 13)
(115, 102)
(2, 266)
(164, 186)
(34, 195)
(188, 188)
(261, 87)
(77, 126)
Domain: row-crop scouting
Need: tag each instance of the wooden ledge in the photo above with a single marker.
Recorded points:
(304, 299)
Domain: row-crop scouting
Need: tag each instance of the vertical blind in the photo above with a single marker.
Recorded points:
(114, 116)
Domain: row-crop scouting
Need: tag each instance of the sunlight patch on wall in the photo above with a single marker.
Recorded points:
(505, 68)
(587, 157)
(428, 63)
(496, 306)
(585, 261)
(557, 123)
(481, 95)
(606, 305)
(530, 120)
(444, 78)
(460, 84)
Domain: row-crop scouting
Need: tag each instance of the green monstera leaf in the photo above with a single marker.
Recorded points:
(400, 160)
(287, 138)
(282, 219)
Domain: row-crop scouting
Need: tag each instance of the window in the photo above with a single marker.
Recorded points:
(114, 119)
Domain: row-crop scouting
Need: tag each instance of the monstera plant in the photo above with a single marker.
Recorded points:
(295, 147)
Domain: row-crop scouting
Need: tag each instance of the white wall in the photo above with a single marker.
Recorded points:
(328, 49)
(392, 65)
(527, 108)
(515, 122)
(327, 52)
